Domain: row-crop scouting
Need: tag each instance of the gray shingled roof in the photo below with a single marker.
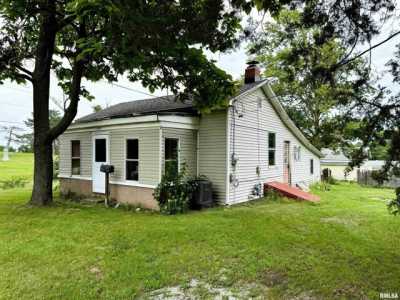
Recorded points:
(334, 157)
(165, 104)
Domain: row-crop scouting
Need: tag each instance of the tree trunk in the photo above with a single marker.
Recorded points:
(42, 193)
(43, 153)
(43, 169)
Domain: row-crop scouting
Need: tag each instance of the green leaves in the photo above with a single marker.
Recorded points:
(315, 92)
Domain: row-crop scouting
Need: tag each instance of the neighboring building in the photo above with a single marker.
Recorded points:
(337, 163)
(238, 148)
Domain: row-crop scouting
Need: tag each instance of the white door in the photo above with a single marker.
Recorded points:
(100, 156)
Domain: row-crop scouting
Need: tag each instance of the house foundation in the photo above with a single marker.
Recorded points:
(132, 195)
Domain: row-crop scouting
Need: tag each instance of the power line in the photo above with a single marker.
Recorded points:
(131, 89)
(140, 92)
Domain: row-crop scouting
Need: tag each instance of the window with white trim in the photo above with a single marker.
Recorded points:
(271, 148)
(297, 153)
(132, 160)
(171, 156)
(76, 157)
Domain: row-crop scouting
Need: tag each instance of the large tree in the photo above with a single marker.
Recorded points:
(159, 43)
(315, 93)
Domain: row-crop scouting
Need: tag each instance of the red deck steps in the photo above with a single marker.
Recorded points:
(290, 191)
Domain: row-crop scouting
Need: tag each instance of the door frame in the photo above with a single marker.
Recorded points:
(107, 138)
(288, 166)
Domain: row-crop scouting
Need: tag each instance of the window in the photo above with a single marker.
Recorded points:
(311, 166)
(171, 157)
(132, 160)
(271, 148)
(76, 157)
(101, 151)
(297, 153)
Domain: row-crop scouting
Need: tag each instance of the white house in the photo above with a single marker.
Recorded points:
(239, 148)
(337, 163)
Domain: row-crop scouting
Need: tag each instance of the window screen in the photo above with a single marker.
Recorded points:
(132, 159)
(75, 157)
(101, 150)
(171, 157)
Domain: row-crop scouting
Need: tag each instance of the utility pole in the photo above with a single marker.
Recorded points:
(10, 137)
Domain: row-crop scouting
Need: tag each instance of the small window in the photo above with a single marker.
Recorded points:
(101, 149)
(271, 148)
(132, 160)
(76, 157)
(297, 153)
(171, 157)
(311, 166)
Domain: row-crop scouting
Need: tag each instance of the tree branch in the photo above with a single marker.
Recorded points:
(369, 49)
(74, 93)
(26, 71)
(66, 21)
(72, 109)
(23, 77)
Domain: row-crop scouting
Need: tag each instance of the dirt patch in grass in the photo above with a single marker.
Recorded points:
(197, 289)
(341, 221)
(273, 278)
(349, 292)
(96, 272)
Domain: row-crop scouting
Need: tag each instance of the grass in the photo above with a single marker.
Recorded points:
(19, 165)
(345, 247)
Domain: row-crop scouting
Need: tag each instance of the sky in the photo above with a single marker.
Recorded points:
(16, 100)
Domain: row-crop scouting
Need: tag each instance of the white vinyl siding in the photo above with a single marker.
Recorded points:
(251, 138)
(85, 139)
(212, 152)
(148, 152)
(148, 139)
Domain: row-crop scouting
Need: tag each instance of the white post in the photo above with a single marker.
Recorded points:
(7, 147)
(5, 154)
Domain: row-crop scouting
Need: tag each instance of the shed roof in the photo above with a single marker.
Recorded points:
(334, 157)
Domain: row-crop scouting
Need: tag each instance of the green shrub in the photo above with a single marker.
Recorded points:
(14, 182)
(174, 192)
(272, 195)
(56, 166)
(394, 205)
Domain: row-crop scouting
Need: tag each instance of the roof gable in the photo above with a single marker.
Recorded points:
(281, 112)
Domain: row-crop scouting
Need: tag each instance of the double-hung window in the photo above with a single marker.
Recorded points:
(76, 157)
(171, 157)
(271, 148)
(132, 160)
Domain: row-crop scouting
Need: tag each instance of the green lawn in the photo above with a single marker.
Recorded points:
(345, 247)
(19, 165)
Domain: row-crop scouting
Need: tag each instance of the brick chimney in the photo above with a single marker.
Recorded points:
(252, 72)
